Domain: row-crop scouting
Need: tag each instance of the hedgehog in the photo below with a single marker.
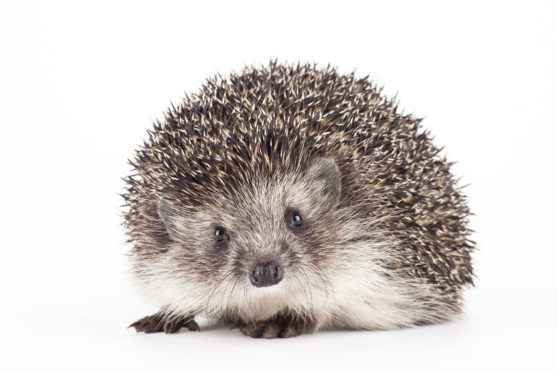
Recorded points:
(285, 199)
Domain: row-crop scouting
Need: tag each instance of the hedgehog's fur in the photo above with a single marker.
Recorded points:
(391, 250)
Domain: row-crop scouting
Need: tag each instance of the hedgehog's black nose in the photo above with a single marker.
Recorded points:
(266, 274)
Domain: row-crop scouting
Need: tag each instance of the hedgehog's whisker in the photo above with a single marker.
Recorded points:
(225, 291)
(210, 296)
(304, 287)
(230, 294)
(320, 274)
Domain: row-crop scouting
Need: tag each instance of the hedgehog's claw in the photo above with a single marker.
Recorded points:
(272, 329)
(159, 323)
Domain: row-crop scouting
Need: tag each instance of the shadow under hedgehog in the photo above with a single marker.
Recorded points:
(286, 199)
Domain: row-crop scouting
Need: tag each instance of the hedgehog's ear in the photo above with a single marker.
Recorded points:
(169, 216)
(325, 178)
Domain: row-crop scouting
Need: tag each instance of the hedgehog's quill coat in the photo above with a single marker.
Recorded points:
(379, 238)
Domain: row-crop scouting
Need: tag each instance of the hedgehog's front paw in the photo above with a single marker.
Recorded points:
(159, 323)
(273, 328)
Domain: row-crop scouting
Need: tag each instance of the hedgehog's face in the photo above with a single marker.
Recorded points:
(257, 251)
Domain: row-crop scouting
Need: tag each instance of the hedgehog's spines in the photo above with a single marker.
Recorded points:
(270, 119)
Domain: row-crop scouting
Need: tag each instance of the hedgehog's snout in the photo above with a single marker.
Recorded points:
(266, 274)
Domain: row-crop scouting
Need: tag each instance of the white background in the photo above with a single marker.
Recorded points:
(81, 82)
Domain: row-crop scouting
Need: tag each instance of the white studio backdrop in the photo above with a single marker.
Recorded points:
(80, 82)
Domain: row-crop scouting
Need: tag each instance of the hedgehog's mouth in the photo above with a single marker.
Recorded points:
(265, 274)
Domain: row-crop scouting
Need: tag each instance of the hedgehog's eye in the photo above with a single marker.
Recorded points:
(295, 220)
(221, 234)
